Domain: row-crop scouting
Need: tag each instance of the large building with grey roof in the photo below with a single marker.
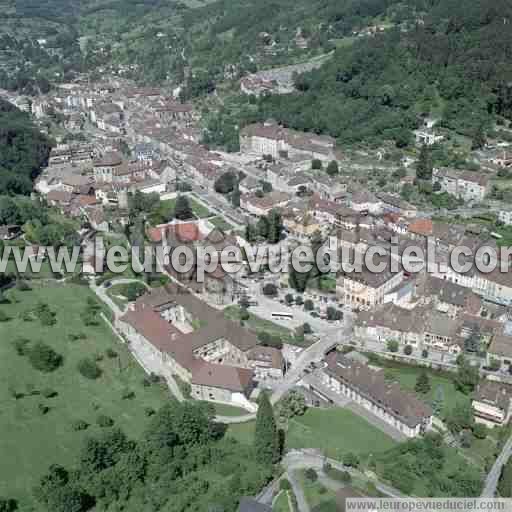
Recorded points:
(370, 389)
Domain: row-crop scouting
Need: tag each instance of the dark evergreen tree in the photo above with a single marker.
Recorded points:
(479, 138)
(275, 227)
(423, 383)
(424, 166)
(183, 210)
(266, 437)
(505, 481)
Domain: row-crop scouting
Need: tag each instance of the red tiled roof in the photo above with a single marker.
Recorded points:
(421, 227)
(222, 376)
(86, 200)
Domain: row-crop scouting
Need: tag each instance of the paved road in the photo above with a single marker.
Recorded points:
(491, 482)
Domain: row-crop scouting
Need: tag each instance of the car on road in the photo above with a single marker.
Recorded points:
(107, 284)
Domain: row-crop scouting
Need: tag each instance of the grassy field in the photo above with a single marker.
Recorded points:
(242, 432)
(31, 441)
(281, 504)
(165, 211)
(229, 410)
(336, 431)
(220, 223)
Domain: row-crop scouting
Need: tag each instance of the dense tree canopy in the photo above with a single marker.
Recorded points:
(23, 150)
(454, 63)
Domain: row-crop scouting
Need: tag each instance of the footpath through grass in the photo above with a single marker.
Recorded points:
(29, 440)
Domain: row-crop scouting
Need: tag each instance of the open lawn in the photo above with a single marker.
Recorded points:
(281, 503)
(242, 432)
(115, 292)
(229, 410)
(220, 223)
(336, 431)
(29, 440)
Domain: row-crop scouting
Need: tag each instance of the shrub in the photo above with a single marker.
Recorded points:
(90, 318)
(270, 290)
(104, 421)
(43, 409)
(154, 378)
(392, 346)
(26, 316)
(89, 369)
(149, 411)
(111, 353)
(284, 484)
(4, 317)
(21, 345)
(309, 305)
(77, 337)
(127, 394)
(31, 390)
(407, 350)
(45, 315)
(49, 393)
(338, 475)
(17, 395)
(480, 431)
(43, 358)
(8, 505)
(351, 460)
(79, 425)
(311, 475)
(133, 291)
(424, 353)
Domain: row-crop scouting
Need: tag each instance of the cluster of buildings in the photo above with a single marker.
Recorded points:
(175, 334)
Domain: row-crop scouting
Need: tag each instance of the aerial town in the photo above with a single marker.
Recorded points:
(256, 390)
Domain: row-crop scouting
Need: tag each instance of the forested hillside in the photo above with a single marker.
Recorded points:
(23, 150)
(456, 63)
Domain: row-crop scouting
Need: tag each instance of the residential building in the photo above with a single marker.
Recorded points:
(174, 333)
(367, 289)
(427, 137)
(364, 202)
(465, 185)
(395, 204)
(500, 349)
(271, 139)
(261, 206)
(492, 403)
(369, 389)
